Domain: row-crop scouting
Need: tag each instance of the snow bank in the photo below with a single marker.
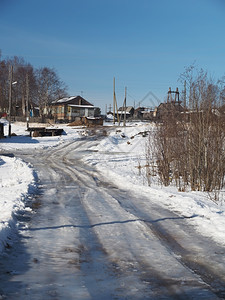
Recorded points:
(17, 177)
(16, 181)
(21, 140)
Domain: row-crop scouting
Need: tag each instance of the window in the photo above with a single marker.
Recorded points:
(75, 112)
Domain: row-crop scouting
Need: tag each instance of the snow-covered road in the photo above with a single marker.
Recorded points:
(90, 239)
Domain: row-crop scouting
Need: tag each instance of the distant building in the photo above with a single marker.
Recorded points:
(169, 108)
(71, 109)
(145, 113)
(129, 111)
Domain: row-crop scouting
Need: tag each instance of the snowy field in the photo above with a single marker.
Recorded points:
(118, 156)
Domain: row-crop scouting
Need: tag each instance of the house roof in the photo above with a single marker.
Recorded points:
(128, 109)
(74, 100)
(83, 106)
(120, 112)
(169, 106)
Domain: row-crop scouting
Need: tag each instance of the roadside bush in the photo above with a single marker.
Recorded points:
(189, 151)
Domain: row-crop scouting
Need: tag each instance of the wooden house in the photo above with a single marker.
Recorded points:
(71, 109)
(168, 109)
(129, 111)
(145, 113)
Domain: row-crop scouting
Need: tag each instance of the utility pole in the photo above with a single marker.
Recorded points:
(169, 96)
(125, 108)
(118, 117)
(114, 100)
(27, 99)
(115, 108)
(10, 97)
(177, 95)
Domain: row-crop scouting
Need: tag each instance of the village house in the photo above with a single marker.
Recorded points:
(145, 113)
(71, 109)
(129, 110)
(169, 109)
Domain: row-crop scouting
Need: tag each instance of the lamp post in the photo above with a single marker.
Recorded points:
(10, 96)
(27, 100)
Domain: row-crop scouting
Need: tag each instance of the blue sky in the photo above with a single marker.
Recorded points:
(144, 44)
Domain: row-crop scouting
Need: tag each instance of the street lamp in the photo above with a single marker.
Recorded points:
(10, 96)
(27, 100)
(10, 105)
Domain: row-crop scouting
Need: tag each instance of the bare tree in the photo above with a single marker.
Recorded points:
(49, 88)
(189, 150)
(4, 74)
(43, 86)
(22, 73)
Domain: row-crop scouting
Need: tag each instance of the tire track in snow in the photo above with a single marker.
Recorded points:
(123, 281)
(193, 258)
(129, 261)
(95, 184)
(183, 242)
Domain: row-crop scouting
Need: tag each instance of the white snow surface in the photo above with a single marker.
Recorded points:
(117, 157)
(16, 181)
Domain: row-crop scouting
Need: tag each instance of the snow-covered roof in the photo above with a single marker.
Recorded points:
(123, 112)
(83, 106)
(93, 118)
(128, 109)
(66, 99)
(74, 100)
